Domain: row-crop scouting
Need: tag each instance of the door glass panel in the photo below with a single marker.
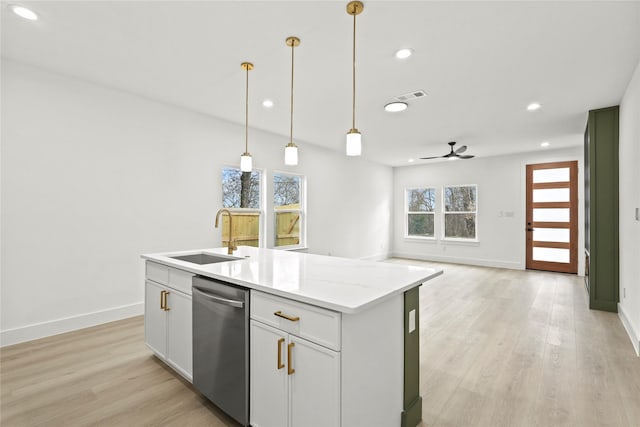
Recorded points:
(551, 254)
(551, 175)
(551, 235)
(551, 195)
(551, 214)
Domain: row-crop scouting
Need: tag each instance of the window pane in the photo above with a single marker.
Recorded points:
(421, 199)
(551, 195)
(287, 228)
(246, 229)
(286, 191)
(551, 214)
(462, 226)
(551, 254)
(240, 189)
(551, 175)
(420, 225)
(460, 199)
(551, 235)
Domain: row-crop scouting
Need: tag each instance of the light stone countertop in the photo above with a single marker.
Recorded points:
(339, 284)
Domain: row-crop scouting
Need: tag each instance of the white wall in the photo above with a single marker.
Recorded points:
(629, 158)
(501, 189)
(92, 177)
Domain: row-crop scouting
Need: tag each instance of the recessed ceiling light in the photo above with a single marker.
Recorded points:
(544, 144)
(394, 107)
(410, 160)
(404, 53)
(23, 12)
(267, 103)
(533, 106)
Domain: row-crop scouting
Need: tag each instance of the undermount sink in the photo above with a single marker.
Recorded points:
(203, 258)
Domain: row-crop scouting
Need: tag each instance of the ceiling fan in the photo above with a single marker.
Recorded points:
(453, 154)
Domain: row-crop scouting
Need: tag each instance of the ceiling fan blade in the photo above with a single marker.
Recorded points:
(461, 149)
(428, 158)
(466, 157)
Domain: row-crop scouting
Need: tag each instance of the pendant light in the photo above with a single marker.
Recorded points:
(291, 149)
(354, 138)
(245, 159)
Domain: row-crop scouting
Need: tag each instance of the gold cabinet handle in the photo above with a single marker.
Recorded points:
(290, 370)
(162, 300)
(285, 316)
(280, 364)
(165, 301)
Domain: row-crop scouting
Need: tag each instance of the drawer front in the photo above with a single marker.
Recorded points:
(157, 272)
(315, 324)
(180, 280)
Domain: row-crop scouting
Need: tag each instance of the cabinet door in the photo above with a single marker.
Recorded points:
(314, 387)
(179, 342)
(268, 379)
(155, 319)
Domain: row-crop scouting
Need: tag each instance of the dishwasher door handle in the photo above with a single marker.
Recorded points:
(217, 299)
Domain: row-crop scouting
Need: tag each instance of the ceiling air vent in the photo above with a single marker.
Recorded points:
(412, 95)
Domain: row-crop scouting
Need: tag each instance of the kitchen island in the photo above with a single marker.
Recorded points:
(350, 329)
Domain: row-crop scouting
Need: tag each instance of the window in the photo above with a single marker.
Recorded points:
(460, 209)
(241, 194)
(420, 205)
(288, 208)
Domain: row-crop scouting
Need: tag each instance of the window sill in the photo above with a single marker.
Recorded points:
(464, 242)
(420, 239)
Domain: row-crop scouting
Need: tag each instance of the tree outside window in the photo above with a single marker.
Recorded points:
(420, 208)
(460, 211)
(241, 195)
(288, 209)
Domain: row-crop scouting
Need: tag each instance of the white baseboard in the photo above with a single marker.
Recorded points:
(376, 257)
(633, 335)
(68, 324)
(461, 260)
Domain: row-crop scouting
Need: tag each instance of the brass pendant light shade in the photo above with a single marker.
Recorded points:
(245, 159)
(354, 138)
(291, 149)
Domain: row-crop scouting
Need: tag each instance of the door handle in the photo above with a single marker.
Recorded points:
(162, 300)
(280, 364)
(165, 301)
(290, 370)
(529, 229)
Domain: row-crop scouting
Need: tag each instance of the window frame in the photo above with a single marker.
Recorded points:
(261, 211)
(302, 211)
(407, 213)
(444, 212)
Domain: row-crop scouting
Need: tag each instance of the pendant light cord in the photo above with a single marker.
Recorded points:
(291, 125)
(246, 114)
(354, 68)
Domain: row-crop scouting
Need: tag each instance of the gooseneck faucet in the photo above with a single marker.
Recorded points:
(232, 244)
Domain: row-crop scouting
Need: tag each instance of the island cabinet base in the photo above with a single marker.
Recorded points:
(356, 362)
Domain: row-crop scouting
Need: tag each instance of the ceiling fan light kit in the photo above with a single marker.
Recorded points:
(452, 155)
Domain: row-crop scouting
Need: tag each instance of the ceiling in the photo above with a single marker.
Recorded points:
(481, 64)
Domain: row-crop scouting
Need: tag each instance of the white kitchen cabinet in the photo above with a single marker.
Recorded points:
(168, 317)
(294, 382)
(155, 318)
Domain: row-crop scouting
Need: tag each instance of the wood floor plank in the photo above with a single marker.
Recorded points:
(498, 348)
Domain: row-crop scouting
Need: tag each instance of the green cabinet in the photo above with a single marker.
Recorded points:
(601, 209)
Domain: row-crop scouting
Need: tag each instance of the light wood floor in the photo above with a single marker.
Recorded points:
(499, 348)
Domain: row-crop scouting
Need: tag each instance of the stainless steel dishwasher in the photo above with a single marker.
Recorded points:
(221, 345)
